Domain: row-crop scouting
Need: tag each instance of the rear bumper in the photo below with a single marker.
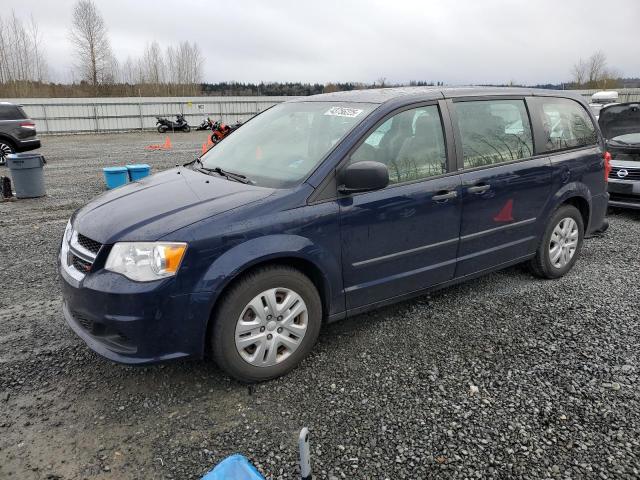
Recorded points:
(134, 323)
(598, 220)
(25, 145)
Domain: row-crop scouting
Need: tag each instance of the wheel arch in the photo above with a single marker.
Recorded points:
(7, 139)
(576, 194)
(319, 265)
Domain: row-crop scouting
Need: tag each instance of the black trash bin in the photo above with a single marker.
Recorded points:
(27, 174)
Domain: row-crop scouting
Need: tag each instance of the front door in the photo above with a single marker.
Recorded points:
(403, 238)
(504, 186)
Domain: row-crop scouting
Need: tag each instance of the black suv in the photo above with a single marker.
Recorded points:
(17, 131)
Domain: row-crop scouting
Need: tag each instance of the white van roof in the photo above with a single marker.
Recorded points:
(604, 97)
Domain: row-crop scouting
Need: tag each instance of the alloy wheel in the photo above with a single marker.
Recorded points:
(563, 242)
(271, 327)
(4, 151)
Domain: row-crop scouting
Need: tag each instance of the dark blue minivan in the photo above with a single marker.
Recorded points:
(327, 206)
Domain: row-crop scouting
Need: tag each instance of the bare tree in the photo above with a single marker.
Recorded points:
(21, 55)
(90, 38)
(594, 72)
(579, 72)
(596, 66)
(184, 66)
(153, 66)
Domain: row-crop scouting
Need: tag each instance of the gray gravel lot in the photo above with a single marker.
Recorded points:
(506, 376)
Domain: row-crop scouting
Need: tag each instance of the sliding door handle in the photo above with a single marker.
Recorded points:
(477, 189)
(444, 196)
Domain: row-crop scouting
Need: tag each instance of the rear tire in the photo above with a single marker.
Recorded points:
(162, 128)
(560, 245)
(186, 128)
(6, 148)
(266, 324)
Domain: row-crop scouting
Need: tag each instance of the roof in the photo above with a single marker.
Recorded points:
(383, 95)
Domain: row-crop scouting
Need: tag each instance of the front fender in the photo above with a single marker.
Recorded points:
(273, 247)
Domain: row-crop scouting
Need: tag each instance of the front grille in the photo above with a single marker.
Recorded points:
(89, 244)
(632, 173)
(79, 264)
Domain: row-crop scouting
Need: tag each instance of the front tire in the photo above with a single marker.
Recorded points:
(266, 324)
(560, 245)
(162, 128)
(5, 149)
(186, 128)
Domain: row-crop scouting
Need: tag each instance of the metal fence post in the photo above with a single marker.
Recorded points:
(141, 119)
(95, 116)
(46, 119)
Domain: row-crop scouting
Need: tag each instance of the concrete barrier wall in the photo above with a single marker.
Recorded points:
(96, 115)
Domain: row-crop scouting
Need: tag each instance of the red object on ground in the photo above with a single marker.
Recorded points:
(506, 214)
(165, 146)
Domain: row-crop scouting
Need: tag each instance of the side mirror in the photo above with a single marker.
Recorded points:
(363, 177)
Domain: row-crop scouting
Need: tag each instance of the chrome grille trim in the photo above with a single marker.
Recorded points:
(80, 251)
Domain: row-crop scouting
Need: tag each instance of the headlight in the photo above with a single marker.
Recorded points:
(146, 261)
(68, 231)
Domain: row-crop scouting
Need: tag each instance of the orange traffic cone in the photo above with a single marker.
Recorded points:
(167, 144)
(209, 141)
(204, 148)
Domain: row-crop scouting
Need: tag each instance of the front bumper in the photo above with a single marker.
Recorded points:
(134, 323)
(624, 193)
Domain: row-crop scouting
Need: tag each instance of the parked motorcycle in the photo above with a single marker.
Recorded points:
(206, 124)
(165, 124)
(221, 130)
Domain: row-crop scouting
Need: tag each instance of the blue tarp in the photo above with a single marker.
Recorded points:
(235, 467)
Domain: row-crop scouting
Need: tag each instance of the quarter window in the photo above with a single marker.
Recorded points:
(566, 125)
(410, 143)
(10, 112)
(493, 131)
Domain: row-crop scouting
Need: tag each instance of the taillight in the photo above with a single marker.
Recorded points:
(607, 165)
(28, 125)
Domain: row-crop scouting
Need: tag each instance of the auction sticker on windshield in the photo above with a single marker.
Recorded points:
(343, 112)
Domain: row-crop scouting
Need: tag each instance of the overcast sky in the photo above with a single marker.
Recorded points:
(458, 42)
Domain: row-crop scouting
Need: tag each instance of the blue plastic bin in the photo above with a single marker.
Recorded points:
(138, 171)
(235, 467)
(115, 176)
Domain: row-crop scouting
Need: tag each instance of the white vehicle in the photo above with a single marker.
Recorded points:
(600, 99)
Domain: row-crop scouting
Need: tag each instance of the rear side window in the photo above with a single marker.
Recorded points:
(493, 131)
(11, 112)
(566, 124)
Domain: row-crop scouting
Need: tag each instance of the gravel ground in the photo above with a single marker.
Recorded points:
(505, 376)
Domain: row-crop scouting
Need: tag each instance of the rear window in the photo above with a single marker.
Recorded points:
(566, 124)
(11, 112)
(493, 131)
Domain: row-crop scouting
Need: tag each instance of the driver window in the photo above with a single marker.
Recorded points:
(410, 144)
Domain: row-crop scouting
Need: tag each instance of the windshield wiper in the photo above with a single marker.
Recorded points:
(227, 174)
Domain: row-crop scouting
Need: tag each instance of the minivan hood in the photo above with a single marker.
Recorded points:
(620, 119)
(149, 209)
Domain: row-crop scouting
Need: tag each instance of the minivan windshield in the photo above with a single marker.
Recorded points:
(280, 147)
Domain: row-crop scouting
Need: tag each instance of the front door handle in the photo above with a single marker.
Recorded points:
(477, 189)
(444, 196)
